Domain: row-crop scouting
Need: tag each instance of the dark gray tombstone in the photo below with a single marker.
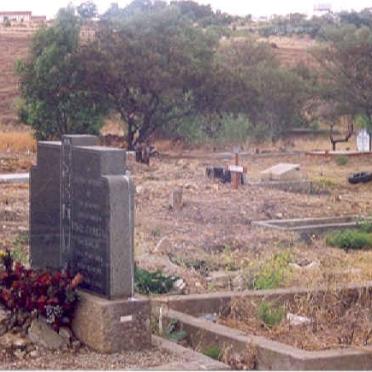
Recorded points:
(102, 210)
(45, 212)
(68, 141)
(45, 202)
(81, 213)
(82, 218)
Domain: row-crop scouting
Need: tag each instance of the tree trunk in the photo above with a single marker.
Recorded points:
(130, 137)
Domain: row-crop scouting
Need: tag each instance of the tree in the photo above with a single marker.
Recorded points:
(253, 83)
(346, 62)
(149, 68)
(134, 8)
(54, 98)
(87, 10)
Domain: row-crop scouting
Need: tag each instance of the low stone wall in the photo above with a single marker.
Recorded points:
(270, 355)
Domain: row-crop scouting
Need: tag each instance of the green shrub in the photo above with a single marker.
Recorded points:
(230, 128)
(213, 352)
(269, 314)
(350, 239)
(342, 160)
(365, 226)
(19, 248)
(174, 331)
(273, 272)
(147, 282)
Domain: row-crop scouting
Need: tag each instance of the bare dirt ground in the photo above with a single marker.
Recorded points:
(212, 235)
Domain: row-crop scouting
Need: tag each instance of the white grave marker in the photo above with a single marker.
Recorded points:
(363, 139)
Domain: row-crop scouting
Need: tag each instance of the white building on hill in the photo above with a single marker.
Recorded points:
(322, 9)
(18, 17)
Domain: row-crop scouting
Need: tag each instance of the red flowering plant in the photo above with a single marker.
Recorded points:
(50, 294)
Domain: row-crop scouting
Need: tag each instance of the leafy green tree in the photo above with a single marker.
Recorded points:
(346, 74)
(149, 68)
(87, 10)
(134, 8)
(193, 10)
(250, 81)
(54, 98)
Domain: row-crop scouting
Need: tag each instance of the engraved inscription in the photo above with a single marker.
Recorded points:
(89, 233)
(66, 196)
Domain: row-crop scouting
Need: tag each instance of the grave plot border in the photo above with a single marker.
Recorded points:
(270, 355)
(312, 224)
(302, 187)
(194, 361)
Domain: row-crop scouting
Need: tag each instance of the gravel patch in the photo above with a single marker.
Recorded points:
(85, 358)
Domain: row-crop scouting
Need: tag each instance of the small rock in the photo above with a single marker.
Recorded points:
(12, 341)
(296, 320)
(66, 333)
(34, 354)
(279, 216)
(4, 315)
(42, 334)
(209, 317)
(139, 190)
(76, 344)
(20, 343)
(19, 354)
(179, 285)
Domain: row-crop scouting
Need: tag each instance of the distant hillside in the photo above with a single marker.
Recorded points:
(14, 44)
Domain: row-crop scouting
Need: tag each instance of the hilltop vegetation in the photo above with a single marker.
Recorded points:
(166, 69)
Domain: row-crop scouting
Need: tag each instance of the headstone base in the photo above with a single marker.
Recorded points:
(111, 326)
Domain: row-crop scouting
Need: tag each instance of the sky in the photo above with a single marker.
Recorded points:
(239, 7)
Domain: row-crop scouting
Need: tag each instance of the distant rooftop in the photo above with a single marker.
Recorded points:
(323, 7)
(16, 13)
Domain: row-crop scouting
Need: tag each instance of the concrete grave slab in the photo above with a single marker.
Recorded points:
(282, 172)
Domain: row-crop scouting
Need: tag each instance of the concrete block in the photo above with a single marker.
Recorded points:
(111, 326)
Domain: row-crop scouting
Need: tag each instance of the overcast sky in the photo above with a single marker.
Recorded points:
(241, 7)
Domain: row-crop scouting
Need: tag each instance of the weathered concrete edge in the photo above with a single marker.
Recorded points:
(196, 304)
(307, 227)
(194, 360)
(271, 354)
(313, 223)
(14, 178)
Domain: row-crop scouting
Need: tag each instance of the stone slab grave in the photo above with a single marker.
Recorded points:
(312, 224)
(196, 315)
(82, 218)
(286, 177)
(282, 172)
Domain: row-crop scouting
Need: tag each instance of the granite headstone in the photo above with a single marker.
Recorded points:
(82, 214)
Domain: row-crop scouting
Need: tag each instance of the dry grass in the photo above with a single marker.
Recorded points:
(17, 142)
(338, 319)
